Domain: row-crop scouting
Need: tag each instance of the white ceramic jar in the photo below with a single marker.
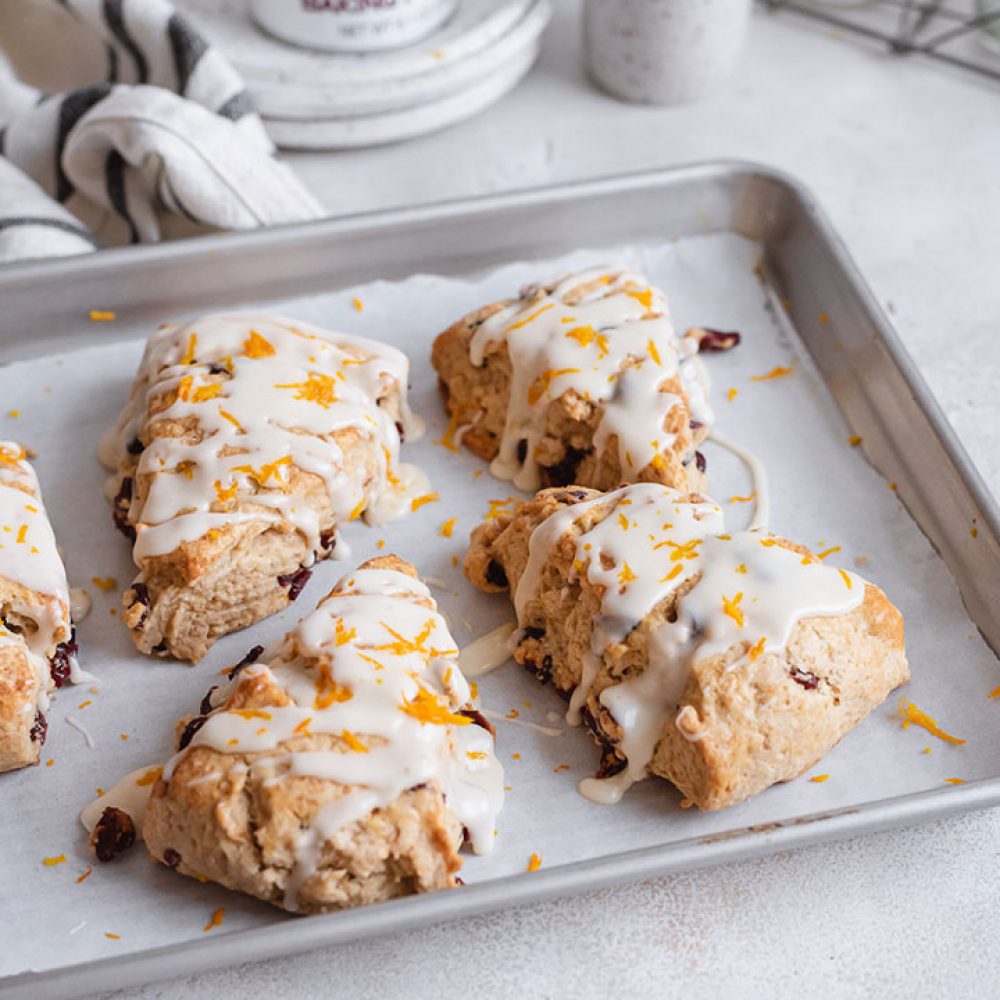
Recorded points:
(664, 51)
(351, 25)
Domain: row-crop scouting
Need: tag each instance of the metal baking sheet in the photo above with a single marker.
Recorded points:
(734, 245)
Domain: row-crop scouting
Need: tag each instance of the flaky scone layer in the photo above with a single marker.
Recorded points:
(342, 767)
(247, 443)
(731, 711)
(580, 381)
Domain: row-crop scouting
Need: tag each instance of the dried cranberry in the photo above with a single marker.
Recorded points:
(39, 729)
(160, 648)
(206, 702)
(714, 341)
(496, 574)
(533, 632)
(189, 730)
(612, 762)
(252, 657)
(295, 582)
(699, 461)
(807, 680)
(327, 539)
(565, 471)
(522, 450)
(171, 857)
(216, 369)
(113, 835)
(400, 430)
(135, 446)
(478, 719)
(695, 425)
(60, 664)
(122, 504)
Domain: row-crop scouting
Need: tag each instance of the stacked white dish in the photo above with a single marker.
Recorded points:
(320, 100)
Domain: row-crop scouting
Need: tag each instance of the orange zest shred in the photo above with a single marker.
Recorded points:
(626, 574)
(778, 371)
(358, 304)
(653, 352)
(819, 778)
(59, 859)
(329, 691)
(742, 568)
(955, 781)
(256, 346)
(746, 499)
(215, 919)
(303, 727)
(534, 862)
(732, 394)
(427, 708)
(226, 493)
(757, 648)
(417, 502)
(828, 552)
(447, 527)
(318, 388)
(644, 298)
(22, 533)
(252, 713)
(995, 693)
(530, 317)
(499, 508)
(101, 315)
(112, 937)
(914, 716)
(226, 415)
(854, 440)
(476, 754)
(192, 346)
(731, 607)
(10, 456)
(673, 574)
(86, 874)
(353, 742)
(267, 470)
(846, 577)
(448, 438)
(148, 777)
(541, 384)
(104, 583)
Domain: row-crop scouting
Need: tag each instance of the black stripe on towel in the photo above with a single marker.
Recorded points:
(237, 106)
(112, 63)
(32, 220)
(187, 47)
(74, 106)
(116, 24)
(3, 140)
(114, 176)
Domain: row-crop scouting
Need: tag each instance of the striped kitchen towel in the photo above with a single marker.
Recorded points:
(119, 124)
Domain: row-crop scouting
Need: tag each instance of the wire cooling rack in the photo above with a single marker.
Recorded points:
(963, 33)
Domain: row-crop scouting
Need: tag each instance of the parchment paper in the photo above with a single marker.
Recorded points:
(823, 494)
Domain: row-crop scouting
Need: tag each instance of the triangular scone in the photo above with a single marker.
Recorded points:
(721, 662)
(580, 381)
(36, 635)
(343, 765)
(246, 443)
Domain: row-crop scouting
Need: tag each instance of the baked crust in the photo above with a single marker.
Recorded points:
(268, 469)
(36, 635)
(237, 818)
(743, 723)
(478, 396)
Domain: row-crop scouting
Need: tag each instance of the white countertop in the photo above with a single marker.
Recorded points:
(905, 157)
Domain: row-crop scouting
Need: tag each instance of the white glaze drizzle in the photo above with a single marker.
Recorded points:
(130, 794)
(29, 557)
(266, 393)
(487, 652)
(615, 346)
(388, 678)
(758, 473)
(749, 590)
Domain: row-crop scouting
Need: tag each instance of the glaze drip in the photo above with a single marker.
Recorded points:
(376, 666)
(243, 403)
(607, 337)
(745, 590)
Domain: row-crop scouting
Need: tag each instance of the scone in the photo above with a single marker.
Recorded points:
(721, 662)
(344, 765)
(580, 381)
(37, 644)
(246, 443)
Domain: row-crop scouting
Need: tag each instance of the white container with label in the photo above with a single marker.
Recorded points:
(352, 25)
